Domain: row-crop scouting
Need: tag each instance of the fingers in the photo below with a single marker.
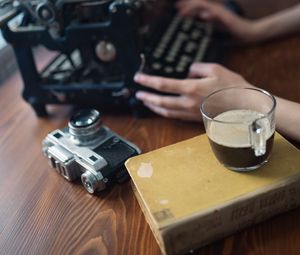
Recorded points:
(180, 107)
(216, 12)
(209, 72)
(162, 84)
(192, 7)
(170, 102)
(204, 70)
(174, 114)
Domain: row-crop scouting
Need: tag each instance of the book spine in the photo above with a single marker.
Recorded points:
(150, 222)
(221, 221)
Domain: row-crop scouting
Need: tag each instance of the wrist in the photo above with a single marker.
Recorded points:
(251, 31)
(258, 31)
(245, 30)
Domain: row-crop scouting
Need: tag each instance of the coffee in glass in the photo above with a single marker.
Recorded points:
(240, 126)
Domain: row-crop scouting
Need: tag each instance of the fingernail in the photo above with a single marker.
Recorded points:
(139, 95)
(205, 14)
(137, 77)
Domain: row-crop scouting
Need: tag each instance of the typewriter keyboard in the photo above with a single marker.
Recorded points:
(184, 41)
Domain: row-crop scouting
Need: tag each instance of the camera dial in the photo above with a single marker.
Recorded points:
(90, 182)
(85, 127)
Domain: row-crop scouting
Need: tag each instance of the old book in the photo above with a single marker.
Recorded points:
(190, 200)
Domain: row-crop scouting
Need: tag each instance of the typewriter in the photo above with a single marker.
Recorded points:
(100, 45)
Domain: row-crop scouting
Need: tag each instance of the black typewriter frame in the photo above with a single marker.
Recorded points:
(122, 30)
(39, 92)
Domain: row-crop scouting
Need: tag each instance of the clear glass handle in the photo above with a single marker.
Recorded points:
(258, 138)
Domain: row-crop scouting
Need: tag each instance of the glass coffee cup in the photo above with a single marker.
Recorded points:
(240, 125)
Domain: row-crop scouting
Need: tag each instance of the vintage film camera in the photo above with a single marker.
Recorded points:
(100, 45)
(89, 150)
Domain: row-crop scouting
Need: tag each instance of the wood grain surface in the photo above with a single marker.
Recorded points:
(41, 213)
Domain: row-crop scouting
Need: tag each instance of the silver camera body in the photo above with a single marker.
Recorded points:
(89, 150)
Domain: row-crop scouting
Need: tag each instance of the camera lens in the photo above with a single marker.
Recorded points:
(85, 118)
(84, 126)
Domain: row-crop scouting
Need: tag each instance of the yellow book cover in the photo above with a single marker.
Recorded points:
(189, 199)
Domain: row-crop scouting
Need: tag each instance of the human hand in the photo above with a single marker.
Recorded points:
(243, 29)
(203, 79)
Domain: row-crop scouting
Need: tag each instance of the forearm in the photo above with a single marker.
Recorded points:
(278, 24)
(288, 118)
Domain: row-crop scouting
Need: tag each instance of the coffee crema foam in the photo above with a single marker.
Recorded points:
(236, 135)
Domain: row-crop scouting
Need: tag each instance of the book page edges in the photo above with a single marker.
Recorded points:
(150, 221)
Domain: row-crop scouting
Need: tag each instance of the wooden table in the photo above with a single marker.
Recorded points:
(41, 213)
